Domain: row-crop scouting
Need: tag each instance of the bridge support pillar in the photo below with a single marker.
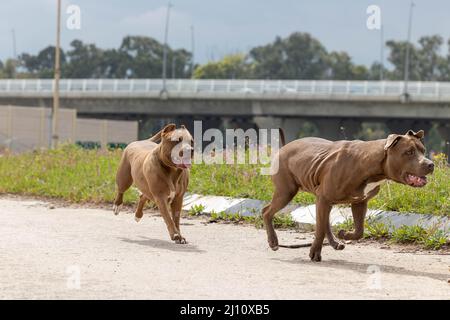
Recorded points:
(349, 128)
(329, 128)
(401, 126)
(238, 123)
(444, 131)
(290, 126)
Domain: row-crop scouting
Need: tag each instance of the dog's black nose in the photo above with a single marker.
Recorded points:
(431, 166)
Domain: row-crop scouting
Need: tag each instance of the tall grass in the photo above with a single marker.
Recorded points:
(78, 175)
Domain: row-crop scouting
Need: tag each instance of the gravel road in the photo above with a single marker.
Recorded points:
(68, 252)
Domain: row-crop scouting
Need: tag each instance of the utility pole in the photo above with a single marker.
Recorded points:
(382, 53)
(192, 51)
(407, 54)
(166, 33)
(174, 59)
(13, 32)
(14, 61)
(55, 111)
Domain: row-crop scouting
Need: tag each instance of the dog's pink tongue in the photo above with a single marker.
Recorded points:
(186, 165)
(417, 181)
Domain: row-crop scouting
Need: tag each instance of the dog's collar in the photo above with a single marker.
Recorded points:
(165, 163)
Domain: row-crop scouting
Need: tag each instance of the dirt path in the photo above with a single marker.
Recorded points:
(43, 250)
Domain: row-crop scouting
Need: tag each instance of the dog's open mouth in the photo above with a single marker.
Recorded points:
(415, 181)
(184, 165)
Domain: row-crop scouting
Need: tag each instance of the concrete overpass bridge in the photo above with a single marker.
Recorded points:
(333, 106)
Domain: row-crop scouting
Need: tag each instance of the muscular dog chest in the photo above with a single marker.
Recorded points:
(371, 186)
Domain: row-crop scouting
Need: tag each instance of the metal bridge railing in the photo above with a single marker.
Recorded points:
(439, 91)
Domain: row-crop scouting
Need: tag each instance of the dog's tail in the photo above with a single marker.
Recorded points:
(282, 139)
(300, 245)
(296, 246)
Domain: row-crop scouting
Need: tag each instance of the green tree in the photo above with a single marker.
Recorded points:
(84, 61)
(341, 67)
(234, 66)
(42, 64)
(397, 58)
(8, 70)
(2, 74)
(430, 58)
(444, 65)
(426, 63)
(143, 57)
(375, 69)
(299, 56)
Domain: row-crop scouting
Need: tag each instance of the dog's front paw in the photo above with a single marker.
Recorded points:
(338, 246)
(341, 234)
(315, 256)
(179, 239)
(273, 244)
(116, 209)
(315, 252)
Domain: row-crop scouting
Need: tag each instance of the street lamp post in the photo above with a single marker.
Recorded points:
(381, 53)
(192, 51)
(164, 68)
(14, 61)
(13, 33)
(407, 54)
(55, 111)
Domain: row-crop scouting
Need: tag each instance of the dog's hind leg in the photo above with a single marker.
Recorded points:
(279, 200)
(124, 181)
(323, 209)
(359, 213)
(140, 208)
(337, 245)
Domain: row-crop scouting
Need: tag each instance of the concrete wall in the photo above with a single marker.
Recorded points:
(106, 131)
(27, 128)
(24, 128)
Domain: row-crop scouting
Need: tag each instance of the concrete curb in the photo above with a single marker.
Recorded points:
(306, 215)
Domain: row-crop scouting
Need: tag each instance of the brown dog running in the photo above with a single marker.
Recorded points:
(343, 172)
(160, 172)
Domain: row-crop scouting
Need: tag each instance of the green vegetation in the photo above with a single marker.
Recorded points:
(196, 209)
(434, 198)
(376, 230)
(240, 181)
(245, 181)
(296, 56)
(429, 238)
(70, 173)
(280, 221)
(78, 175)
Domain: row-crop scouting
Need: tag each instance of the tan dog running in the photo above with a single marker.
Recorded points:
(160, 172)
(343, 172)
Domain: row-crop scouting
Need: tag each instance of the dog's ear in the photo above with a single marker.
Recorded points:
(168, 129)
(419, 134)
(392, 140)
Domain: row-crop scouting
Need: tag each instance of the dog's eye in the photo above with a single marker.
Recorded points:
(410, 152)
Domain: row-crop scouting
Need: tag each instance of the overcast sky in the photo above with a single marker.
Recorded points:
(221, 27)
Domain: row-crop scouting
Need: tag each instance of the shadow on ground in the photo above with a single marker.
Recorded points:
(162, 244)
(364, 267)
